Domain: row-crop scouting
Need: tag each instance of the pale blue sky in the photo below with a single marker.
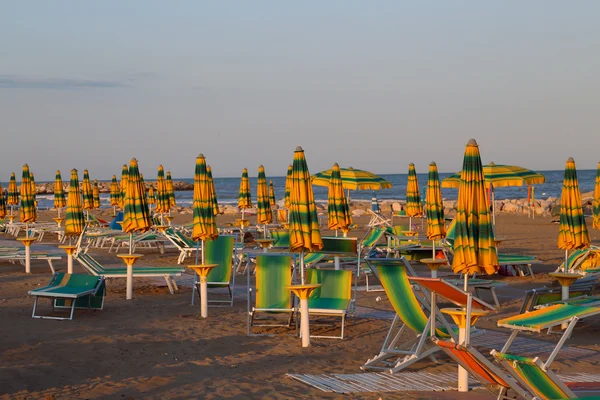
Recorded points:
(372, 84)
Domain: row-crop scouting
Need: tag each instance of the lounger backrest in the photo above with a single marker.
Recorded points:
(186, 240)
(273, 273)
(90, 264)
(281, 238)
(339, 244)
(529, 372)
(74, 280)
(219, 251)
(312, 258)
(335, 292)
(372, 237)
(395, 282)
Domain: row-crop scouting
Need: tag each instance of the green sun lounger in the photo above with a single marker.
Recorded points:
(184, 244)
(281, 239)
(219, 251)
(79, 291)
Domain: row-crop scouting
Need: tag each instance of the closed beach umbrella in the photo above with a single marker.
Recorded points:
(33, 189)
(596, 203)
(288, 186)
(170, 191)
(434, 207)
(304, 223)
(59, 192)
(115, 193)
(86, 191)
(244, 199)
(163, 205)
(27, 212)
(272, 201)
(205, 227)
(264, 214)
(136, 217)
(2, 203)
(123, 185)
(150, 195)
(96, 194)
(413, 195)
(213, 193)
(74, 219)
(13, 193)
(572, 232)
(338, 211)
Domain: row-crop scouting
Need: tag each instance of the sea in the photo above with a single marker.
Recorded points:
(227, 189)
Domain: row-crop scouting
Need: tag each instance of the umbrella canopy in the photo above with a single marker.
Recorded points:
(288, 186)
(163, 205)
(434, 207)
(136, 216)
(596, 203)
(353, 179)
(205, 227)
(413, 195)
(272, 201)
(170, 190)
(115, 192)
(338, 211)
(474, 249)
(27, 211)
(96, 194)
(2, 204)
(244, 199)
(150, 195)
(59, 192)
(264, 213)
(304, 223)
(500, 176)
(33, 189)
(124, 174)
(74, 219)
(572, 232)
(213, 193)
(13, 192)
(86, 191)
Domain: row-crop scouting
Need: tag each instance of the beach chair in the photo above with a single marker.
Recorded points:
(489, 375)
(269, 296)
(367, 248)
(410, 316)
(333, 298)
(81, 291)
(534, 376)
(184, 244)
(281, 239)
(583, 261)
(219, 251)
(95, 268)
(547, 295)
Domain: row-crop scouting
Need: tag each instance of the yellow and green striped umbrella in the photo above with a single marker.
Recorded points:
(86, 192)
(353, 179)
(205, 227)
(572, 232)
(74, 219)
(264, 214)
(123, 185)
(596, 203)
(150, 195)
(136, 217)
(474, 248)
(115, 192)
(213, 193)
(338, 211)
(413, 195)
(2, 204)
(304, 223)
(27, 211)
(434, 206)
(33, 190)
(170, 190)
(501, 176)
(163, 205)
(96, 194)
(13, 191)
(288, 186)
(272, 201)
(59, 192)
(244, 199)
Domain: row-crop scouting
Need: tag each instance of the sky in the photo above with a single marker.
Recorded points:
(369, 84)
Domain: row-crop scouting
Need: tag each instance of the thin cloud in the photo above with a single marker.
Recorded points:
(23, 82)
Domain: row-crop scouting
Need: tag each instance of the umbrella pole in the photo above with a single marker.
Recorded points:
(302, 267)
(565, 267)
(433, 249)
(463, 375)
(203, 291)
(194, 284)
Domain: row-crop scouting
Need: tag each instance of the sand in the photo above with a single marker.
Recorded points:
(155, 347)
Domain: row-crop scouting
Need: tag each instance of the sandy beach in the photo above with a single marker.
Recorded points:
(154, 346)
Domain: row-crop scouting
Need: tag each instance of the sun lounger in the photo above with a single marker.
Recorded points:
(219, 251)
(584, 261)
(81, 291)
(547, 295)
(20, 257)
(184, 244)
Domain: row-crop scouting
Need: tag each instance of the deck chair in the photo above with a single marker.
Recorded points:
(410, 316)
(219, 251)
(547, 295)
(269, 296)
(81, 291)
(333, 298)
(489, 375)
(95, 268)
(281, 239)
(368, 244)
(184, 244)
(532, 374)
(585, 261)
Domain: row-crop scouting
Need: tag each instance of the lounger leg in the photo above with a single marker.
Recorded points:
(51, 266)
(169, 284)
(174, 284)
(512, 337)
(559, 345)
(34, 307)
(72, 308)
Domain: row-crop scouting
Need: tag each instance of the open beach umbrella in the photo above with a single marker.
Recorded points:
(59, 193)
(244, 199)
(434, 207)
(288, 185)
(2, 203)
(27, 211)
(413, 196)
(123, 185)
(213, 193)
(304, 223)
(115, 193)
(170, 191)
(352, 179)
(74, 219)
(136, 217)
(572, 232)
(86, 192)
(96, 194)
(596, 203)
(13, 193)
(264, 214)
(272, 201)
(338, 211)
